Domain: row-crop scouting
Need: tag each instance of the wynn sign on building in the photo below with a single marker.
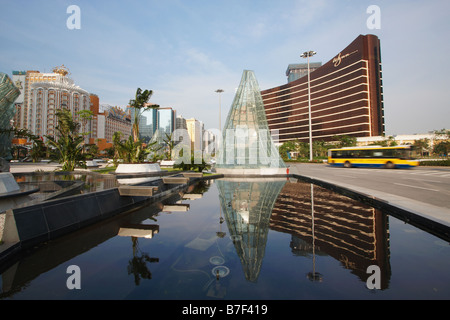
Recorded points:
(346, 97)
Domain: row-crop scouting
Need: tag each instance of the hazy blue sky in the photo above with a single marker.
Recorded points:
(184, 50)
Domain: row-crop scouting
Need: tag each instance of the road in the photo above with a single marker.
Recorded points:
(423, 189)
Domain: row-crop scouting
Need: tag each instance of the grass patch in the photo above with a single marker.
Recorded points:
(172, 169)
(105, 170)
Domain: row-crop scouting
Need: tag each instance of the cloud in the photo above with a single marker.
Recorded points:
(194, 96)
(200, 62)
(184, 52)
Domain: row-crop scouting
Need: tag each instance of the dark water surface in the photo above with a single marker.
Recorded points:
(227, 239)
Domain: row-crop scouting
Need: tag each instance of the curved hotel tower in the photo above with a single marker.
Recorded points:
(43, 94)
(346, 97)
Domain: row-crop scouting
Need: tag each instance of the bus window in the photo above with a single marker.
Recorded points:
(407, 154)
(377, 154)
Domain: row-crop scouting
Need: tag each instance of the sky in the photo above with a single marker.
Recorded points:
(184, 50)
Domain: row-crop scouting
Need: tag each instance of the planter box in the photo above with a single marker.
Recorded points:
(138, 168)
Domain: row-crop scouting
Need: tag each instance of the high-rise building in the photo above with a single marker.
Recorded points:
(180, 128)
(106, 120)
(298, 70)
(147, 124)
(346, 97)
(166, 120)
(98, 119)
(180, 122)
(209, 142)
(117, 120)
(44, 94)
(194, 128)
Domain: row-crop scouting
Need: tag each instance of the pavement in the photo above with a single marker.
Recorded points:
(423, 196)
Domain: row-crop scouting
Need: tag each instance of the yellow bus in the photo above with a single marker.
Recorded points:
(373, 157)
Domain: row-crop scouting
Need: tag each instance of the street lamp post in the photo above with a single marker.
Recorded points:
(308, 54)
(219, 91)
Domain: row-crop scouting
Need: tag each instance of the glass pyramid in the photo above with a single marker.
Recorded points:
(247, 145)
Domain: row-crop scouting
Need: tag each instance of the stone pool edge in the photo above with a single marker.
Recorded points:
(39, 223)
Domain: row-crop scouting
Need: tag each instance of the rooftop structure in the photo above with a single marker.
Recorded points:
(299, 70)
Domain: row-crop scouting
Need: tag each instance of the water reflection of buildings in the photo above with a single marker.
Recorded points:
(247, 206)
(353, 233)
(17, 274)
(332, 224)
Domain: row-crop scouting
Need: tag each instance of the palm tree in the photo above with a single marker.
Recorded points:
(130, 151)
(170, 144)
(140, 104)
(37, 150)
(68, 147)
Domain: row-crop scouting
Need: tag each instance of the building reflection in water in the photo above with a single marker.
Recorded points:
(320, 221)
(324, 222)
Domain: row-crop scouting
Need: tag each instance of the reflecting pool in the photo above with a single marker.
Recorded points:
(240, 239)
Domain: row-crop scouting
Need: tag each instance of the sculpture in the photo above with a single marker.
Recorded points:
(8, 94)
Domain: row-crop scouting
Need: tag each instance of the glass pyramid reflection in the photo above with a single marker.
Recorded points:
(247, 145)
(247, 205)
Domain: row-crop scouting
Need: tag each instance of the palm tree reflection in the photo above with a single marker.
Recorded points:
(138, 264)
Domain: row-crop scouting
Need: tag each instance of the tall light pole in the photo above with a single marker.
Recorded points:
(219, 91)
(308, 54)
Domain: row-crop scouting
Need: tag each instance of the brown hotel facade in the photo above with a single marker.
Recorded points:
(346, 97)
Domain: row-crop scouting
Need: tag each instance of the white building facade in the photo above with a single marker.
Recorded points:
(49, 92)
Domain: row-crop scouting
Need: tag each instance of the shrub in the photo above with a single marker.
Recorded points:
(435, 163)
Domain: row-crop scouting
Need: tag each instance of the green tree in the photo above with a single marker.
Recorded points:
(38, 147)
(444, 133)
(286, 148)
(85, 116)
(140, 104)
(422, 145)
(320, 148)
(442, 148)
(68, 147)
(344, 141)
(302, 149)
